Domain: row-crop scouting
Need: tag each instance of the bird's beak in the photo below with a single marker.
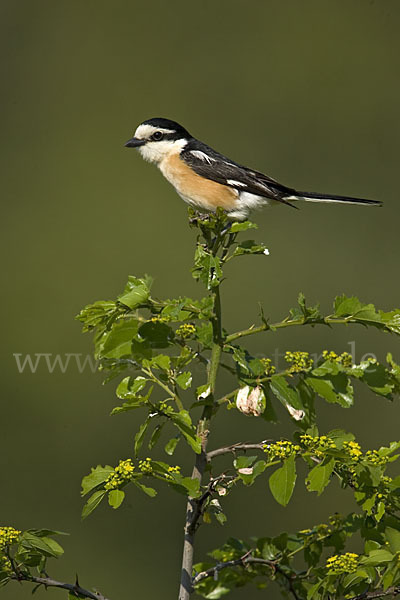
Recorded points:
(134, 143)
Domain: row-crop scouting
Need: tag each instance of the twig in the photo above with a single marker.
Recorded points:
(199, 502)
(235, 448)
(242, 561)
(48, 582)
(392, 591)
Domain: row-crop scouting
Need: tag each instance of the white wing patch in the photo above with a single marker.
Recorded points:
(236, 183)
(202, 156)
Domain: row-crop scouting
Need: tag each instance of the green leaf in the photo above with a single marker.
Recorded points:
(139, 437)
(243, 226)
(339, 436)
(136, 292)
(162, 361)
(377, 557)
(304, 313)
(136, 401)
(96, 477)
(45, 545)
(207, 268)
(337, 389)
(250, 247)
(155, 436)
(93, 503)
(366, 314)
(184, 380)
(248, 478)
(393, 537)
(285, 393)
(129, 388)
(282, 481)
(157, 334)
(118, 341)
(147, 490)
(116, 498)
(319, 477)
(184, 423)
(171, 445)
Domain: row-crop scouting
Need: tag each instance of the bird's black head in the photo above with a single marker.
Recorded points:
(155, 138)
(157, 130)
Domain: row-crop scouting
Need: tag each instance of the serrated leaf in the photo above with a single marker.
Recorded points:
(184, 380)
(97, 476)
(162, 361)
(242, 226)
(283, 480)
(136, 292)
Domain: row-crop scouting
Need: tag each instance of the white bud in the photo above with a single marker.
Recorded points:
(246, 471)
(297, 414)
(251, 401)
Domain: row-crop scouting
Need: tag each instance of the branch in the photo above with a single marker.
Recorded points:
(242, 561)
(48, 582)
(198, 503)
(266, 327)
(392, 591)
(235, 448)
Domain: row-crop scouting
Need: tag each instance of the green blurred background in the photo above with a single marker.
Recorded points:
(308, 92)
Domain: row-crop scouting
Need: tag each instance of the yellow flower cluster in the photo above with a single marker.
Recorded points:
(342, 563)
(353, 450)
(282, 449)
(344, 359)
(5, 564)
(186, 330)
(158, 319)
(8, 535)
(121, 474)
(318, 444)
(175, 469)
(145, 466)
(372, 456)
(268, 366)
(300, 362)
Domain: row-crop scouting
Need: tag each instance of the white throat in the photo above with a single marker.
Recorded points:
(156, 152)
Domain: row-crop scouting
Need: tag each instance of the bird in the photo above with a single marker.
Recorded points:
(207, 180)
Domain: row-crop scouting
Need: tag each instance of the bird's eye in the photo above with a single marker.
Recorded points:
(157, 135)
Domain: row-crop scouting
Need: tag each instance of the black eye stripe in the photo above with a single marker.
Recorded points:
(157, 136)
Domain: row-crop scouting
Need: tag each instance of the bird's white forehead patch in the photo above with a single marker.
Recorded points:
(145, 131)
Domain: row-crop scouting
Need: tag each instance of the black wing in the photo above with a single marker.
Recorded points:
(215, 166)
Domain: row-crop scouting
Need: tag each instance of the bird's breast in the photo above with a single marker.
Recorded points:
(196, 190)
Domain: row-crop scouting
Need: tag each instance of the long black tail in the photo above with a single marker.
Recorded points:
(314, 197)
